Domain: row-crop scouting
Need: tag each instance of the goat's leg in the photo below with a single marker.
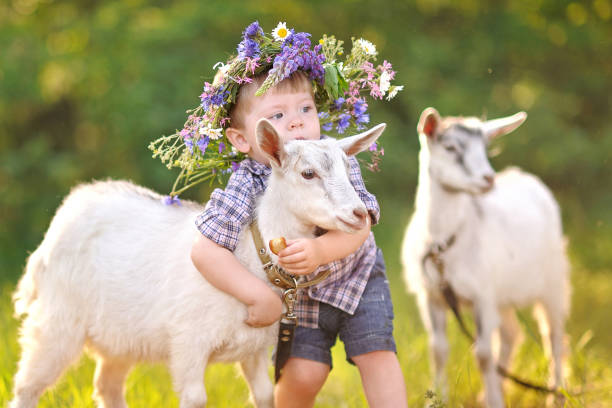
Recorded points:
(108, 382)
(509, 332)
(487, 320)
(47, 349)
(187, 364)
(433, 315)
(551, 321)
(255, 370)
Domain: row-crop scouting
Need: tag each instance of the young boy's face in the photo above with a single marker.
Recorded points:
(293, 114)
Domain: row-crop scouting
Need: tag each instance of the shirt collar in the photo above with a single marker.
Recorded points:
(256, 167)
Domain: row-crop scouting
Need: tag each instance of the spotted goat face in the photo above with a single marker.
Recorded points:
(455, 149)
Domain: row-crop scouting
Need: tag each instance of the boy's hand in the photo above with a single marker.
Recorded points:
(265, 310)
(301, 257)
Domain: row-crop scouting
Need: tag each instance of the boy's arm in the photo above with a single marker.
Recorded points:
(304, 256)
(221, 268)
(225, 214)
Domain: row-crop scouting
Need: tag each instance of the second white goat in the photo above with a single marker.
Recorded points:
(499, 237)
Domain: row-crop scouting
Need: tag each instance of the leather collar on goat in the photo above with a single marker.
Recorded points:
(435, 250)
(275, 273)
(289, 284)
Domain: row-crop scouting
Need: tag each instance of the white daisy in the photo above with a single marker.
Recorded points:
(211, 132)
(394, 91)
(366, 46)
(280, 32)
(385, 82)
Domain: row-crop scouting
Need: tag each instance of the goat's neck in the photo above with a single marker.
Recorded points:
(275, 218)
(444, 212)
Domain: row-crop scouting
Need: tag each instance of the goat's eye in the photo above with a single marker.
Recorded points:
(308, 174)
(450, 148)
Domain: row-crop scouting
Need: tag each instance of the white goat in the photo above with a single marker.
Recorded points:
(114, 273)
(499, 237)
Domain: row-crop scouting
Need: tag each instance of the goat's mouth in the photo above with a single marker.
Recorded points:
(352, 226)
(487, 188)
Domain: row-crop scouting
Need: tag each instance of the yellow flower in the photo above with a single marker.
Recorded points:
(280, 32)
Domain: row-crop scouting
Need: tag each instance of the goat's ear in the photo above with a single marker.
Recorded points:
(358, 143)
(497, 127)
(270, 142)
(428, 122)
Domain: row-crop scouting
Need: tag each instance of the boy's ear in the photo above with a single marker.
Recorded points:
(238, 140)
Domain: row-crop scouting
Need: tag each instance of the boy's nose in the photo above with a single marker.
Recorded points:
(296, 123)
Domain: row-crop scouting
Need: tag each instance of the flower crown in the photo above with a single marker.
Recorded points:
(202, 150)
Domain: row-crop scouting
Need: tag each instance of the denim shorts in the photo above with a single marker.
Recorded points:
(369, 329)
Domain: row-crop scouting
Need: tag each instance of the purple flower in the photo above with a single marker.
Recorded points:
(248, 48)
(338, 103)
(343, 123)
(323, 115)
(212, 97)
(296, 54)
(171, 200)
(235, 166)
(185, 133)
(364, 118)
(221, 147)
(252, 30)
(203, 144)
(360, 107)
(289, 37)
(373, 147)
(189, 144)
(219, 97)
(298, 40)
(327, 126)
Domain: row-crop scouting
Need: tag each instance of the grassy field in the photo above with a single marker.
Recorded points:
(589, 369)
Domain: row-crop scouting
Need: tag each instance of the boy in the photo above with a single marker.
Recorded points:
(352, 302)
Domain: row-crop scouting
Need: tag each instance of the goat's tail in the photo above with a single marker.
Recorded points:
(26, 288)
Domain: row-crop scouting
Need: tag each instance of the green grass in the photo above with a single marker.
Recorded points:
(588, 363)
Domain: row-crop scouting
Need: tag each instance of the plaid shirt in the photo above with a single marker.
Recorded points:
(230, 210)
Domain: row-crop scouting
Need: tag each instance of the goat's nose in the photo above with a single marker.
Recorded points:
(361, 214)
(489, 178)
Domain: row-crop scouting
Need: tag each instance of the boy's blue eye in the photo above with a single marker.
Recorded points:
(306, 109)
(277, 116)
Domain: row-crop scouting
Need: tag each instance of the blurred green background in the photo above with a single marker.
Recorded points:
(86, 85)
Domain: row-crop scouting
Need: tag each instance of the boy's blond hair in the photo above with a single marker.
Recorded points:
(296, 82)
